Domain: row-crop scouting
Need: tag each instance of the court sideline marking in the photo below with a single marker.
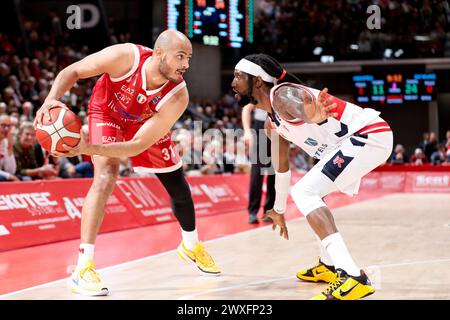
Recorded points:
(118, 266)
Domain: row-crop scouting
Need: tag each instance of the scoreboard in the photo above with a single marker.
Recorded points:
(213, 22)
(395, 88)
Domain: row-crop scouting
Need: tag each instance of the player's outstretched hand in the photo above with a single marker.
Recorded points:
(248, 138)
(80, 148)
(44, 111)
(320, 109)
(278, 220)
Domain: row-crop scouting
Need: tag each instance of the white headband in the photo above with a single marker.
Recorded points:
(252, 68)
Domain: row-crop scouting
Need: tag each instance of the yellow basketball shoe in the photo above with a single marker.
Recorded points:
(86, 281)
(347, 287)
(319, 273)
(200, 258)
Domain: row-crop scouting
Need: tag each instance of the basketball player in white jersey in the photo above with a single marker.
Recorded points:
(134, 104)
(348, 140)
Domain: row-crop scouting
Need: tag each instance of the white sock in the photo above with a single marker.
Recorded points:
(190, 238)
(324, 256)
(336, 248)
(85, 253)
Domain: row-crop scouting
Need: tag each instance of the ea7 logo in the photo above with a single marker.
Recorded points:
(108, 139)
(311, 142)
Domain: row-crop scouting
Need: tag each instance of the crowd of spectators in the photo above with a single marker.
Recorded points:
(26, 77)
(25, 80)
(290, 30)
(210, 139)
(428, 151)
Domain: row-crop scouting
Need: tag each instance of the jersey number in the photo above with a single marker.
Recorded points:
(168, 153)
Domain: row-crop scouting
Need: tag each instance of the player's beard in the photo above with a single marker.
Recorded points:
(245, 99)
(248, 97)
(166, 71)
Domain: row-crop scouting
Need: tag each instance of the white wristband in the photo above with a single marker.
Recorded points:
(282, 187)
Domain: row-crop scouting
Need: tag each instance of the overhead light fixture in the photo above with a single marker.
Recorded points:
(354, 47)
(387, 53)
(327, 59)
(317, 51)
(398, 53)
(422, 38)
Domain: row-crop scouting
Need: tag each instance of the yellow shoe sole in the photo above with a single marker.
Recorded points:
(183, 256)
(76, 289)
(325, 278)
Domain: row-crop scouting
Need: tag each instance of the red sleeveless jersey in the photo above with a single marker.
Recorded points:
(127, 98)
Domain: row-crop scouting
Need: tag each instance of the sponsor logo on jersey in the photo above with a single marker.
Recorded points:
(108, 139)
(127, 89)
(122, 98)
(320, 150)
(108, 124)
(141, 98)
(156, 99)
(338, 161)
(129, 116)
(112, 106)
(164, 139)
(311, 142)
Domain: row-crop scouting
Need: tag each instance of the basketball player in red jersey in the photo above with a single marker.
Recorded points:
(139, 97)
(349, 141)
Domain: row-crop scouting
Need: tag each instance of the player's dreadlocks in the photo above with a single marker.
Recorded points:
(273, 68)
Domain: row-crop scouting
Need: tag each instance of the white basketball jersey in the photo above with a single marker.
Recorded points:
(318, 139)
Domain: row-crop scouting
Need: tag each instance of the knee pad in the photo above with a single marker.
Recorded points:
(306, 197)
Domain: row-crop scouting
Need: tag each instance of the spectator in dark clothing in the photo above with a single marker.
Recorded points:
(439, 156)
(431, 147)
(25, 153)
(425, 141)
(75, 168)
(446, 141)
(399, 156)
(7, 159)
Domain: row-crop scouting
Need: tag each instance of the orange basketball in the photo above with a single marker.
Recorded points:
(63, 128)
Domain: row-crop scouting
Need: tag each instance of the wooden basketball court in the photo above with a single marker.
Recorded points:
(401, 240)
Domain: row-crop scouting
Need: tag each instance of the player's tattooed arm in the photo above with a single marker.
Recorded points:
(295, 103)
